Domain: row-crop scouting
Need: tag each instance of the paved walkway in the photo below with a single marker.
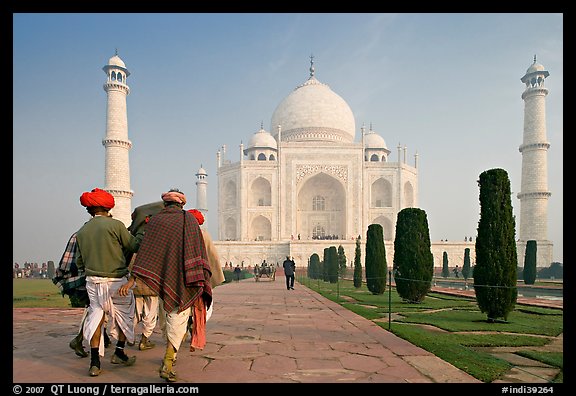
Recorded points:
(259, 333)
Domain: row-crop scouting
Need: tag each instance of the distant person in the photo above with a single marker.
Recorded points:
(237, 272)
(456, 271)
(172, 261)
(102, 244)
(289, 269)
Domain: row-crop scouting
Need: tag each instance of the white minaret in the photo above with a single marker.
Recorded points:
(116, 143)
(201, 194)
(534, 192)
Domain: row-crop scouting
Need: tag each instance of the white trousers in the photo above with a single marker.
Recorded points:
(105, 300)
(146, 313)
(174, 325)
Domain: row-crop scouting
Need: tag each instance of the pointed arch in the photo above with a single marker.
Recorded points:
(260, 229)
(321, 207)
(260, 193)
(229, 195)
(387, 227)
(408, 195)
(381, 194)
(230, 229)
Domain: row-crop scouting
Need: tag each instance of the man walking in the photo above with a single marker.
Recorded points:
(173, 262)
(289, 268)
(101, 246)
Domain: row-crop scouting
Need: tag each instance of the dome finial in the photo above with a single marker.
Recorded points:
(534, 58)
(262, 124)
(311, 65)
(116, 51)
(370, 126)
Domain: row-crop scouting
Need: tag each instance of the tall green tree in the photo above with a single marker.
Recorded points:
(496, 256)
(326, 265)
(413, 259)
(332, 264)
(445, 269)
(529, 272)
(315, 271)
(375, 261)
(341, 261)
(358, 265)
(466, 265)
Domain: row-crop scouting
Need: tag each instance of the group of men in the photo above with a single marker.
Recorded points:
(170, 255)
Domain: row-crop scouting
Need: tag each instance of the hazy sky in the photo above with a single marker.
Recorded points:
(447, 86)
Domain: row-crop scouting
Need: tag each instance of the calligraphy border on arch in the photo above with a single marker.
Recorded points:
(339, 171)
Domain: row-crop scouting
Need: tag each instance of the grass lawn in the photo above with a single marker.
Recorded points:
(453, 328)
(37, 293)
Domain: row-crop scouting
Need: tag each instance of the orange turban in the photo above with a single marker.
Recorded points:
(199, 216)
(97, 197)
(174, 196)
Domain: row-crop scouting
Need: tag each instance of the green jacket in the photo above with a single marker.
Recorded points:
(103, 243)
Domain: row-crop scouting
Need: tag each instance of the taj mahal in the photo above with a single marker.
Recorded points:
(313, 180)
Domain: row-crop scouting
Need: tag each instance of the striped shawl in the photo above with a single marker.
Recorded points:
(172, 259)
(70, 279)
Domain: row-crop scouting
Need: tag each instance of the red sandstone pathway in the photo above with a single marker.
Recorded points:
(259, 333)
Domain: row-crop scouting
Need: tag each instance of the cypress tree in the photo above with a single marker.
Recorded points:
(375, 261)
(496, 257)
(445, 269)
(333, 264)
(341, 261)
(326, 265)
(529, 272)
(314, 266)
(413, 259)
(466, 265)
(358, 265)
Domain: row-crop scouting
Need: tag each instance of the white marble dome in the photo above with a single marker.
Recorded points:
(535, 67)
(313, 112)
(201, 171)
(116, 61)
(262, 139)
(373, 140)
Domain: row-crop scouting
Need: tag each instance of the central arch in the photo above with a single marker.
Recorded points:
(321, 208)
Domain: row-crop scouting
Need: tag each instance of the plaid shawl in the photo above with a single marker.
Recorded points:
(172, 259)
(68, 277)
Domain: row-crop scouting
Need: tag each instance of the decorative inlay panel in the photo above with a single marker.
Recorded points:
(339, 171)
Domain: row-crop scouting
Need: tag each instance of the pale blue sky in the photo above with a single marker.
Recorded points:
(445, 85)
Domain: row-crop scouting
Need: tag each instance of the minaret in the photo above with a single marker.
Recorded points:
(116, 143)
(201, 194)
(534, 192)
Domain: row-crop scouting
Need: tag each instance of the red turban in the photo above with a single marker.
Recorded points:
(97, 197)
(199, 216)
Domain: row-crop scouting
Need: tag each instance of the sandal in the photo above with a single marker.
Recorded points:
(168, 375)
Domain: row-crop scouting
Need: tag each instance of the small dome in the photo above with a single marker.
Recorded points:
(263, 139)
(116, 61)
(201, 171)
(535, 67)
(373, 140)
(535, 74)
